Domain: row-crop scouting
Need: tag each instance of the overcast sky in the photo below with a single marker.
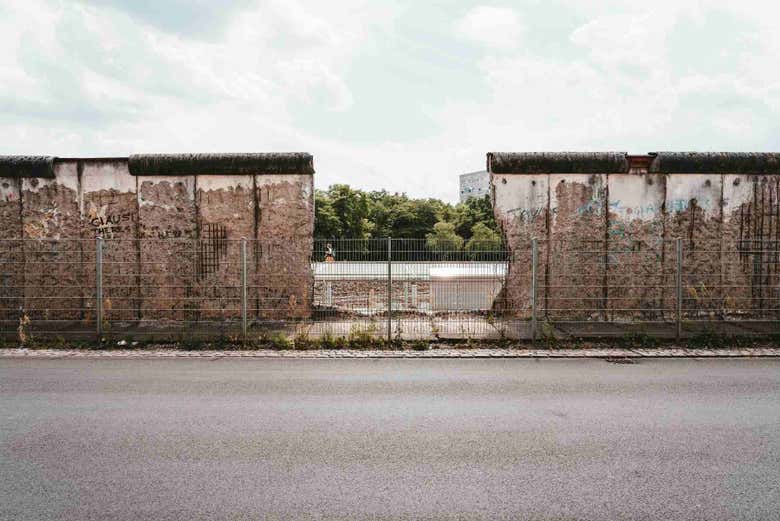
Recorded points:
(402, 95)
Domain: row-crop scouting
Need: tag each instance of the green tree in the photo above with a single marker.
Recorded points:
(327, 223)
(473, 211)
(483, 238)
(343, 212)
(397, 215)
(443, 238)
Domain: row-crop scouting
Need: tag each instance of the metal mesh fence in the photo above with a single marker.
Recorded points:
(667, 288)
(408, 288)
(382, 288)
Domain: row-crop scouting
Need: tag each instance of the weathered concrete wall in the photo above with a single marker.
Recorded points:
(53, 249)
(693, 204)
(167, 229)
(612, 233)
(172, 242)
(751, 234)
(225, 209)
(285, 209)
(577, 231)
(636, 245)
(560, 199)
(11, 252)
(109, 209)
(521, 205)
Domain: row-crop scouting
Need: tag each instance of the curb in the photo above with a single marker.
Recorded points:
(432, 353)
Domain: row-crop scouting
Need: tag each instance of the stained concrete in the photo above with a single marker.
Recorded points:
(161, 262)
(607, 247)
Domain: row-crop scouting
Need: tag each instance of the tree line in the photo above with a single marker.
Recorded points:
(342, 212)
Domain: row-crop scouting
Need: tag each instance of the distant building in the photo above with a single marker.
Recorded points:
(474, 184)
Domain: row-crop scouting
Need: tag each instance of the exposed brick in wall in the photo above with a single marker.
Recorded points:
(415, 296)
(370, 296)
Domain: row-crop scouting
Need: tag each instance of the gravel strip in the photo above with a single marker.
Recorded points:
(431, 353)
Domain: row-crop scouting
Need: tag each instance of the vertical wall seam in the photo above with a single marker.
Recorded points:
(82, 228)
(768, 272)
(196, 247)
(721, 245)
(664, 244)
(777, 232)
(548, 248)
(760, 248)
(22, 247)
(754, 234)
(605, 276)
(138, 300)
(256, 243)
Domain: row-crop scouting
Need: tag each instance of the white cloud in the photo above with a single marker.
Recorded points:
(88, 58)
(626, 39)
(494, 27)
(96, 79)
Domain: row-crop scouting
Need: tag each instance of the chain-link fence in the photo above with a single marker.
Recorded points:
(382, 288)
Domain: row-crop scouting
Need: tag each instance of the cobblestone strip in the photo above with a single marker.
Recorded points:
(432, 353)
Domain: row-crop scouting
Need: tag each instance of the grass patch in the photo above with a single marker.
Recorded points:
(710, 340)
(369, 337)
(420, 345)
(639, 340)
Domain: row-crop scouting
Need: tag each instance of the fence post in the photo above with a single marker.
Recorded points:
(678, 288)
(243, 290)
(389, 289)
(99, 287)
(534, 261)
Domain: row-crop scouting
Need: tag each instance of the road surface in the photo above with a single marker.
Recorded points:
(389, 439)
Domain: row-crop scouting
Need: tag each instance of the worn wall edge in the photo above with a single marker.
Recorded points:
(27, 166)
(716, 162)
(221, 164)
(556, 162)
(620, 162)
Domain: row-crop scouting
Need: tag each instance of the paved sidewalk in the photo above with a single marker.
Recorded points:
(431, 353)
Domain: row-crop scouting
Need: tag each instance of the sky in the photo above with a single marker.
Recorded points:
(398, 95)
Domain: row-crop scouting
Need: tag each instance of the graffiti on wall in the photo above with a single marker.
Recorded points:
(529, 214)
(108, 224)
(8, 194)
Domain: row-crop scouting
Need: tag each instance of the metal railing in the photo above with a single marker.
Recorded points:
(383, 288)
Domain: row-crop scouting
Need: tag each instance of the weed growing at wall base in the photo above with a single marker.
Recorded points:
(359, 339)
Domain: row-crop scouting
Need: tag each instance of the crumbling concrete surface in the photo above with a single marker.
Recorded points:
(172, 227)
(11, 252)
(608, 229)
(54, 253)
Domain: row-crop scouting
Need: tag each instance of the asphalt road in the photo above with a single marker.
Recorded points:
(389, 439)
